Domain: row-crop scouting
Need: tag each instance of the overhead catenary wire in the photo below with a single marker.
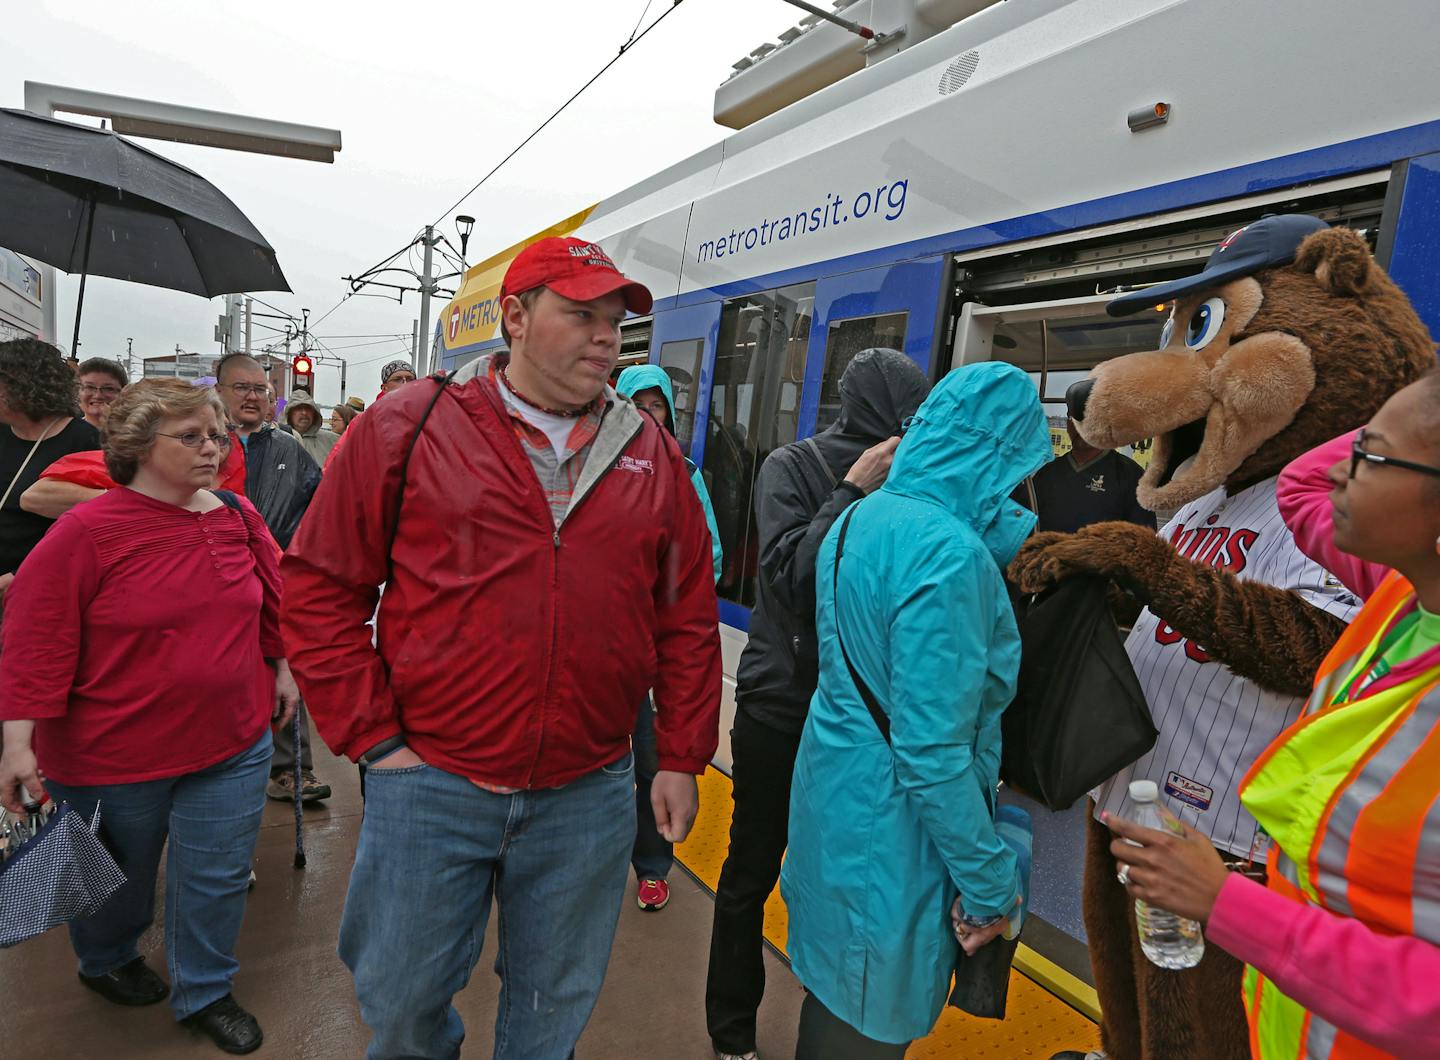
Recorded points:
(402, 350)
(634, 40)
(351, 293)
(358, 345)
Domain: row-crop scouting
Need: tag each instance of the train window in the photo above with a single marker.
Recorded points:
(1061, 350)
(845, 340)
(754, 409)
(1058, 351)
(681, 361)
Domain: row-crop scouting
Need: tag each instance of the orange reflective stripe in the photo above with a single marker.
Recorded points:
(1324, 861)
(1380, 606)
(1347, 1047)
(1385, 840)
(1369, 625)
(1352, 801)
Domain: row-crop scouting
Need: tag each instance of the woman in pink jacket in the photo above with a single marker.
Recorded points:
(1343, 940)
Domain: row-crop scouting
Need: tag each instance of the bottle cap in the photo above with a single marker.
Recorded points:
(1144, 791)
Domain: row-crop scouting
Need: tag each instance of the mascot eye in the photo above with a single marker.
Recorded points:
(1205, 323)
(1167, 332)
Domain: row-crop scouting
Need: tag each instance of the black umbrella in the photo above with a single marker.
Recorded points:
(86, 200)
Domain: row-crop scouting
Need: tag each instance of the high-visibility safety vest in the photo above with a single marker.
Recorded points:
(1350, 796)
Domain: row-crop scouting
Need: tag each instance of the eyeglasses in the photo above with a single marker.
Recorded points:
(247, 389)
(1359, 455)
(195, 439)
(108, 391)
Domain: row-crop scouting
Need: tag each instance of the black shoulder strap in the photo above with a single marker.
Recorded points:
(440, 379)
(228, 498)
(882, 722)
(814, 448)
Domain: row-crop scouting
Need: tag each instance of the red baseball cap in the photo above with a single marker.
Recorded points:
(574, 268)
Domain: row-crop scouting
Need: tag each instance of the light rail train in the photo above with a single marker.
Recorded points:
(980, 195)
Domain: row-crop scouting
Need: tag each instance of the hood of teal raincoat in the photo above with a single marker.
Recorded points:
(640, 377)
(977, 436)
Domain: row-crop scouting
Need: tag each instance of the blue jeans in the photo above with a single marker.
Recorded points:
(652, 855)
(212, 819)
(434, 849)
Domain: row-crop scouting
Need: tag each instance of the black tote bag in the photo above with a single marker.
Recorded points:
(1079, 715)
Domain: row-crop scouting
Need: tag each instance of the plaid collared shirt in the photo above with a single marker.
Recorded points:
(558, 473)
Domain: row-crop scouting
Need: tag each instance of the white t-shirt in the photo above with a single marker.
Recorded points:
(556, 428)
(1213, 725)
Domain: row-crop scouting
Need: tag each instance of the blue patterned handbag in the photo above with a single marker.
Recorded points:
(56, 871)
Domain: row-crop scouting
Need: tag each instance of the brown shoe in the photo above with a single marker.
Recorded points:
(282, 786)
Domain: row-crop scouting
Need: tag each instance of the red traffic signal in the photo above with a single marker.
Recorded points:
(303, 370)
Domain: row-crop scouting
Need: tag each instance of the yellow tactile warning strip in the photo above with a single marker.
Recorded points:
(1039, 1024)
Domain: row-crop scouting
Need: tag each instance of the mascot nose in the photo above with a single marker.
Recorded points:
(1076, 397)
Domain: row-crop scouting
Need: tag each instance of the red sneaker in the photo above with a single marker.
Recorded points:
(652, 895)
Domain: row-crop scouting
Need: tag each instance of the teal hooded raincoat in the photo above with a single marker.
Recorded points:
(882, 839)
(642, 377)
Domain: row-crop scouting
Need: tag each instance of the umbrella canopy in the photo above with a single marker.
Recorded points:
(88, 201)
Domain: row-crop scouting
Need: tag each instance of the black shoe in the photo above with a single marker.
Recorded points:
(130, 984)
(227, 1025)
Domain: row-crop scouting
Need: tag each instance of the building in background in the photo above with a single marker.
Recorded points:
(21, 305)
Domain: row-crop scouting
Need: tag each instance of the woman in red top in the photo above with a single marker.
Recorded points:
(141, 666)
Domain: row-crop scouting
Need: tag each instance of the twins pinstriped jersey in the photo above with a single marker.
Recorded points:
(1213, 724)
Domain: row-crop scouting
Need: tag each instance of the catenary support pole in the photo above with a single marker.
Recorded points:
(428, 287)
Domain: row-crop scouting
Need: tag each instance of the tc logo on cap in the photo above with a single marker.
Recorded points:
(1231, 238)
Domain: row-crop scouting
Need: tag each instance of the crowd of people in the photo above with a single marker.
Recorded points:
(494, 589)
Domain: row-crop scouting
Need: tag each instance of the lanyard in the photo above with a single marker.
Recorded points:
(1372, 665)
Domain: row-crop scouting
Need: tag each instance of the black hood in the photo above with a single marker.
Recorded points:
(879, 391)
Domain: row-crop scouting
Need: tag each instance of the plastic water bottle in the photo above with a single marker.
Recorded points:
(1169, 941)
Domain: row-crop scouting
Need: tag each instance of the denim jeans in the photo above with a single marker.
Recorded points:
(212, 819)
(652, 855)
(434, 850)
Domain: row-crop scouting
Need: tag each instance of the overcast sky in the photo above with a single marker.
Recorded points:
(428, 96)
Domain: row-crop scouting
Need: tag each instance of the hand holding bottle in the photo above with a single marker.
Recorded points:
(1181, 873)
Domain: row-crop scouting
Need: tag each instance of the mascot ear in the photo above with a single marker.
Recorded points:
(1339, 259)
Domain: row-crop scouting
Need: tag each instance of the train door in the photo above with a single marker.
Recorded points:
(1041, 306)
(1057, 343)
(748, 374)
(773, 378)
(894, 306)
(682, 341)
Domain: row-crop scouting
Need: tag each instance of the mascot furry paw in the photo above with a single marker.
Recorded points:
(1290, 335)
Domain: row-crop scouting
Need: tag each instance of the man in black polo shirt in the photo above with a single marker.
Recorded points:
(1086, 485)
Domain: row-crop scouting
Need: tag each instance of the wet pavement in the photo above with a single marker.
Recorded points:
(652, 1006)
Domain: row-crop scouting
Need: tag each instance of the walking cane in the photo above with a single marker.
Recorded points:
(299, 788)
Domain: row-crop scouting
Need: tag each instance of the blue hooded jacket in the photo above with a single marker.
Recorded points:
(882, 838)
(642, 377)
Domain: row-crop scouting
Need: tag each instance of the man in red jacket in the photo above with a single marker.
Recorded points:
(545, 562)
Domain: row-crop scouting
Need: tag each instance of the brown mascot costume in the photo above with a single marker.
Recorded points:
(1290, 335)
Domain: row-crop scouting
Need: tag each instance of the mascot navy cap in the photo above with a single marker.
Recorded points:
(1268, 242)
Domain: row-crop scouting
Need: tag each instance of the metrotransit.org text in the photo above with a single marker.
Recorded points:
(887, 202)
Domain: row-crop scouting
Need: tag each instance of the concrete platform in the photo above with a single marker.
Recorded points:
(652, 1006)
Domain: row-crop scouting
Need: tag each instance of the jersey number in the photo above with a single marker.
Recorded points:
(1169, 635)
